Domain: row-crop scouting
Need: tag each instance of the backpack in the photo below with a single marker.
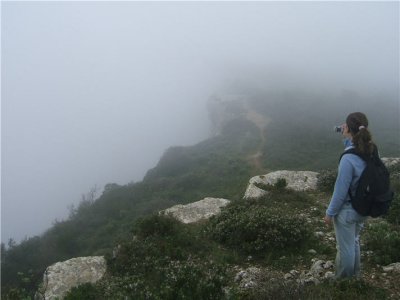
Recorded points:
(373, 194)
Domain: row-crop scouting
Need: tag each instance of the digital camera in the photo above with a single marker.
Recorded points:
(338, 129)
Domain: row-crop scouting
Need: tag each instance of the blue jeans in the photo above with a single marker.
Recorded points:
(348, 224)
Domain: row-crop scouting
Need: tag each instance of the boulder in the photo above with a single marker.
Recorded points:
(61, 277)
(296, 180)
(248, 278)
(390, 161)
(320, 271)
(196, 211)
(395, 267)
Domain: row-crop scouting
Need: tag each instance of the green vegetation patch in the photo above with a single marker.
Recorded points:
(257, 229)
(287, 290)
(384, 240)
(165, 260)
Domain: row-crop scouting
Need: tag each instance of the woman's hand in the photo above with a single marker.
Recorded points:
(328, 220)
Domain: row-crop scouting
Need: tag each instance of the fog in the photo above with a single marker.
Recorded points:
(94, 92)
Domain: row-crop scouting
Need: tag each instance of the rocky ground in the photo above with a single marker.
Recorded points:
(320, 267)
(312, 268)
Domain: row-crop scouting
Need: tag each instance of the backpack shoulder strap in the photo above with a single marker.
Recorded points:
(350, 151)
(353, 151)
(364, 157)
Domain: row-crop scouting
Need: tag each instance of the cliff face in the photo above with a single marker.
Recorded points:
(225, 108)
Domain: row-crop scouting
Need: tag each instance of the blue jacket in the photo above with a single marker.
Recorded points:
(350, 168)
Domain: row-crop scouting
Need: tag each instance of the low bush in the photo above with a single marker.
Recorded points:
(189, 279)
(326, 180)
(157, 239)
(165, 260)
(394, 211)
(279, 186)
(256, 228)
(157, 225)
(85, 291)
(340, 289)
(384, 240)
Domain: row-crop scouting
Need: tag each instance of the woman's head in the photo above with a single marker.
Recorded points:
(357, 124)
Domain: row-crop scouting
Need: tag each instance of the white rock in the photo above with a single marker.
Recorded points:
(296, 180)
(390, 161)
(317, 268)
(254, 192)
(248, 278)
(395, 267)
(288, 276)
(60, 277)
(196, 211)
(312, 280)
(312, 251)
(319, 234)
(240, 275)
(328, 265)
(329, 275)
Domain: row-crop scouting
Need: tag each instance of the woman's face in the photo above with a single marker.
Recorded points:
(346, 132)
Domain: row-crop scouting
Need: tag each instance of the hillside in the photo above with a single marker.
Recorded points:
(253, 138)
(273, 246)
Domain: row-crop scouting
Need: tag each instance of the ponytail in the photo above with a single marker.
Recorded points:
(358, 125)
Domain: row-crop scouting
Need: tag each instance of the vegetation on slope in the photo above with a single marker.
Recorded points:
(170, 260)
(298, 137)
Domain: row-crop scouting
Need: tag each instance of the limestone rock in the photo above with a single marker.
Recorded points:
(317, 268)
(395, 267)
(248, 278)
(60, 277)
(320, 271)
(390, 161)
(296, 180)
(196, 211)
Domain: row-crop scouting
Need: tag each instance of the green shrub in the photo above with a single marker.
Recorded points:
(279, 186)
(159, 268)
(157, 240)
(326, 180)
(384, 240)
(165, 260)
(256, 228)
(394, 211)
(189, 279)
(15, 293)
(339, 289)
(85, 291)
(156, 225)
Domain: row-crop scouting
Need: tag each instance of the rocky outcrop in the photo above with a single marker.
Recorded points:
(60, 277)
(296, 180)
(225, 108)
(196, 211)
(320, 270)
(390, 161)
(395, 268)
(248, 278)
(257, 277)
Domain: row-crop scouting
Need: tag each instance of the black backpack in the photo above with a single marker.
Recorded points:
(373, 195)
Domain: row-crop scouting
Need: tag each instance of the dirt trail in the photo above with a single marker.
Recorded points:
(261, 122)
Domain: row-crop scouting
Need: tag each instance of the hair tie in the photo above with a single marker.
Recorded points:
(361, 127)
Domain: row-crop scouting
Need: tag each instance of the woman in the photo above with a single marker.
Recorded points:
(347, 222)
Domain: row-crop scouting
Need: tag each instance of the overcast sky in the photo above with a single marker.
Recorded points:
(94, 92)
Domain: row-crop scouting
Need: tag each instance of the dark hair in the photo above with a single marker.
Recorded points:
(358, 126)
